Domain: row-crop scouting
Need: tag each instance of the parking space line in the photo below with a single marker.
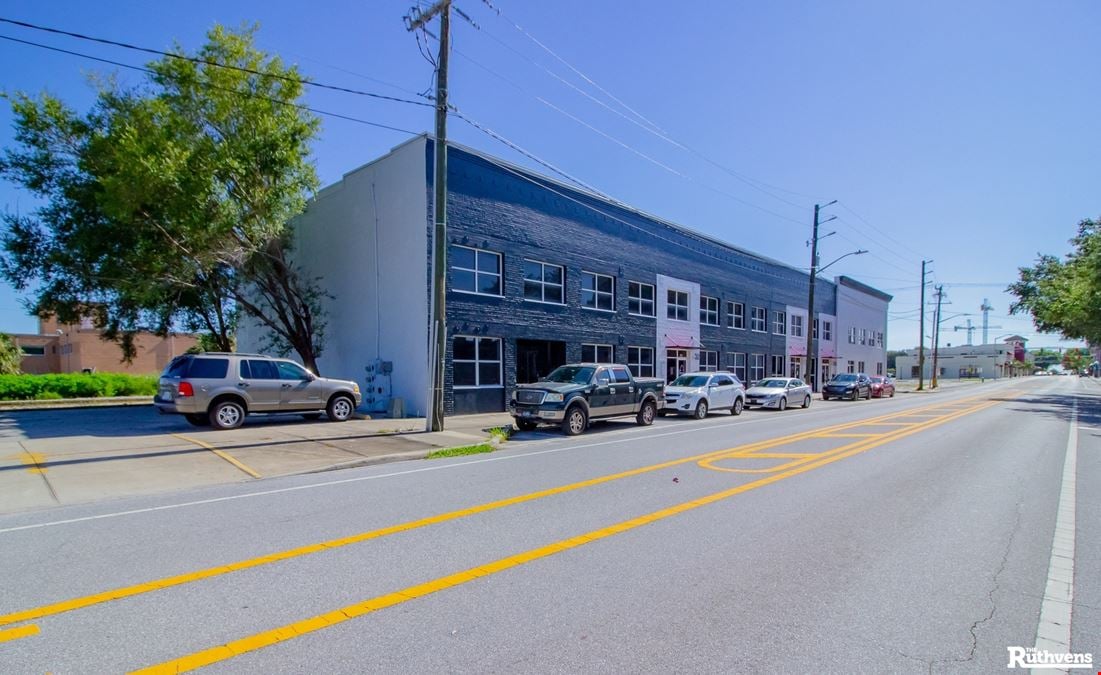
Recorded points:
(221, 453)
(18, 633)
(295, 629)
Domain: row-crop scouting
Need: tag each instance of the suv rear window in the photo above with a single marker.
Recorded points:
(208, 368)
(178, 367)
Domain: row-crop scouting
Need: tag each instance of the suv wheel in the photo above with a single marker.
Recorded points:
(701, 409)
(736, 409)
(227, 414)
(340, 408)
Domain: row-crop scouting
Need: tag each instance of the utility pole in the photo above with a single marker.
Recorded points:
(811, 376)
(936, 334)
(438, 351)
(921, 330)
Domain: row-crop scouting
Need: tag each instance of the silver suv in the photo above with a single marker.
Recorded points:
(220, 388)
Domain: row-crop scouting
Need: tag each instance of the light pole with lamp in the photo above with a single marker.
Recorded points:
(814, 272)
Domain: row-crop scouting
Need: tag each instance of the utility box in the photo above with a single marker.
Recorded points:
(396, 409)
(377, 392)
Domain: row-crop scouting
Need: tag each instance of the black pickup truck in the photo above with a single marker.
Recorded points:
(574, 394)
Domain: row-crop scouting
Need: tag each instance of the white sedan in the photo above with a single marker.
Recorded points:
(779, 393)
(697, 393)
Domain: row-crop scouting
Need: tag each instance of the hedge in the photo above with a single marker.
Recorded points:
(75, 385)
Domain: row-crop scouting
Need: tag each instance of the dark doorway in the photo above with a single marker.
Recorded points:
(536, 358)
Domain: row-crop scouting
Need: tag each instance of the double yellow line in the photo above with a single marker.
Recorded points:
(291, 630)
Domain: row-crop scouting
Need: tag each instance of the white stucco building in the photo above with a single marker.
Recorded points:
(862, 326)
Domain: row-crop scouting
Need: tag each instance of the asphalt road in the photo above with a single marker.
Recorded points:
(912, 535)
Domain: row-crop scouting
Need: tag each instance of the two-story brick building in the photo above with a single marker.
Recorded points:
(539, 273)
(80, 347)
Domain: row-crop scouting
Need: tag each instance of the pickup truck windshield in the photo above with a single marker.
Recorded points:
(571, 374)
(690, 381)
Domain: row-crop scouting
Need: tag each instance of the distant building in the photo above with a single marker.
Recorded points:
(991, 361)
(76, 348)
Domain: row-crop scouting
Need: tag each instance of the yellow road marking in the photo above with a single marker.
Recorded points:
(168, 582)
(221, 453)
(292, 630)
(33, 461)
(851, 435)
(17, 633)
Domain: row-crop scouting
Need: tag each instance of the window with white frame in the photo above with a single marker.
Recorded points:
(814, 328)
(640, 299)
(597, 291)
(676, 305)
(709, 361)
(879, 338)
(476, 362)
(852, 335)
(544, 282)
(596, 353)
(827, 330)
(851, 367)
(757, 319)
(860, 366)
(780, 323)
(863, 336)
(735, 315)
(795, 367)
(756, 367)
(737, 362)
(475, 270)
(796, 325)
(777, 365)
(709, 311)
(879, 368)
(641, 361)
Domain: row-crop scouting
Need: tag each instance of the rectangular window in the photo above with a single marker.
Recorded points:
(827, 331)
(737, 363)
(709, 311)
(641, 360)
(795, 367)
(640, 299)
(735, 315)
(852, 335)
(851, 367)
(676, 305)
(596, 353)
(879, 368)
(879, 339)
(475, 270)
(796, 325)
(709, 361)
(33, 350)
(757, 319)
(779, 323)
(597, 291)
(476, 362)
(863, 336)
(860, 366)
(815, 329)
(544, 282)
(777, 365)
(756, 367)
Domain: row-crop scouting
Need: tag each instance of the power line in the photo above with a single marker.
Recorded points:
(211, 86)
(215, 64)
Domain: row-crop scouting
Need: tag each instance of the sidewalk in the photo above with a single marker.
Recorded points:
(910, 386)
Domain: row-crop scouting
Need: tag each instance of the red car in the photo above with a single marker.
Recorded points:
(882, 386)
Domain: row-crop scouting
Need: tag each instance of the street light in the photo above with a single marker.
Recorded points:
(859, 252)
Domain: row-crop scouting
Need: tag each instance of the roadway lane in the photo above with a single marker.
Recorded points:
(772, 541)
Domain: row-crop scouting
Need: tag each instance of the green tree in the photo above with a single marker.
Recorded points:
(170, 203)
(1077, 359)
(1064, 296)
(11, 358)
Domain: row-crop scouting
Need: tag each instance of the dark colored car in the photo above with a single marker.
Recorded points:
(882, 386)
(848, 385)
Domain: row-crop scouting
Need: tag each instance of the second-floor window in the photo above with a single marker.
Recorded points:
(852, 336)
(780, 323)
(598, 291)
(796, 325)
(757, 320)
(827, 330)
(677, 305)
(640, 299)
(544, 282)
(709, 311)
(475, 270)
(735, 315)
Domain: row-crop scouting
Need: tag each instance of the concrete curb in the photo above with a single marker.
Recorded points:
(57, 403)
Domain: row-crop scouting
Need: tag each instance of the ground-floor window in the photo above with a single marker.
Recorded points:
(795, 367)
(737, 364)
(851, 367)
(879, 368)
(596, 353)
(476, 361)
(641, 361)
(777, 365)
(709, 361)
(860, 367)
(756, 367)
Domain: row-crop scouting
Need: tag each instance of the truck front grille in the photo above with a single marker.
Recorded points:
(530, 396)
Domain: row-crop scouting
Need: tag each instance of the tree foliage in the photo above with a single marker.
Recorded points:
(11, 358)
(1064, 296)
(170, 202)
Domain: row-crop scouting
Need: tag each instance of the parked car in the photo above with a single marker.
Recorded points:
(848, 385)
(574, 394)
(882, 386)
(779, 393)
(221, 388)
(697, 394)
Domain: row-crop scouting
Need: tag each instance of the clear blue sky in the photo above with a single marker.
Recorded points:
(963, 132)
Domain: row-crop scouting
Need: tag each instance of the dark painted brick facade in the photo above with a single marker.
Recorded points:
(522, 217)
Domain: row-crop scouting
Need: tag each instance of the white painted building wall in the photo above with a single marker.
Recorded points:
(673, 334)
(862, 329)
(366, 237)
